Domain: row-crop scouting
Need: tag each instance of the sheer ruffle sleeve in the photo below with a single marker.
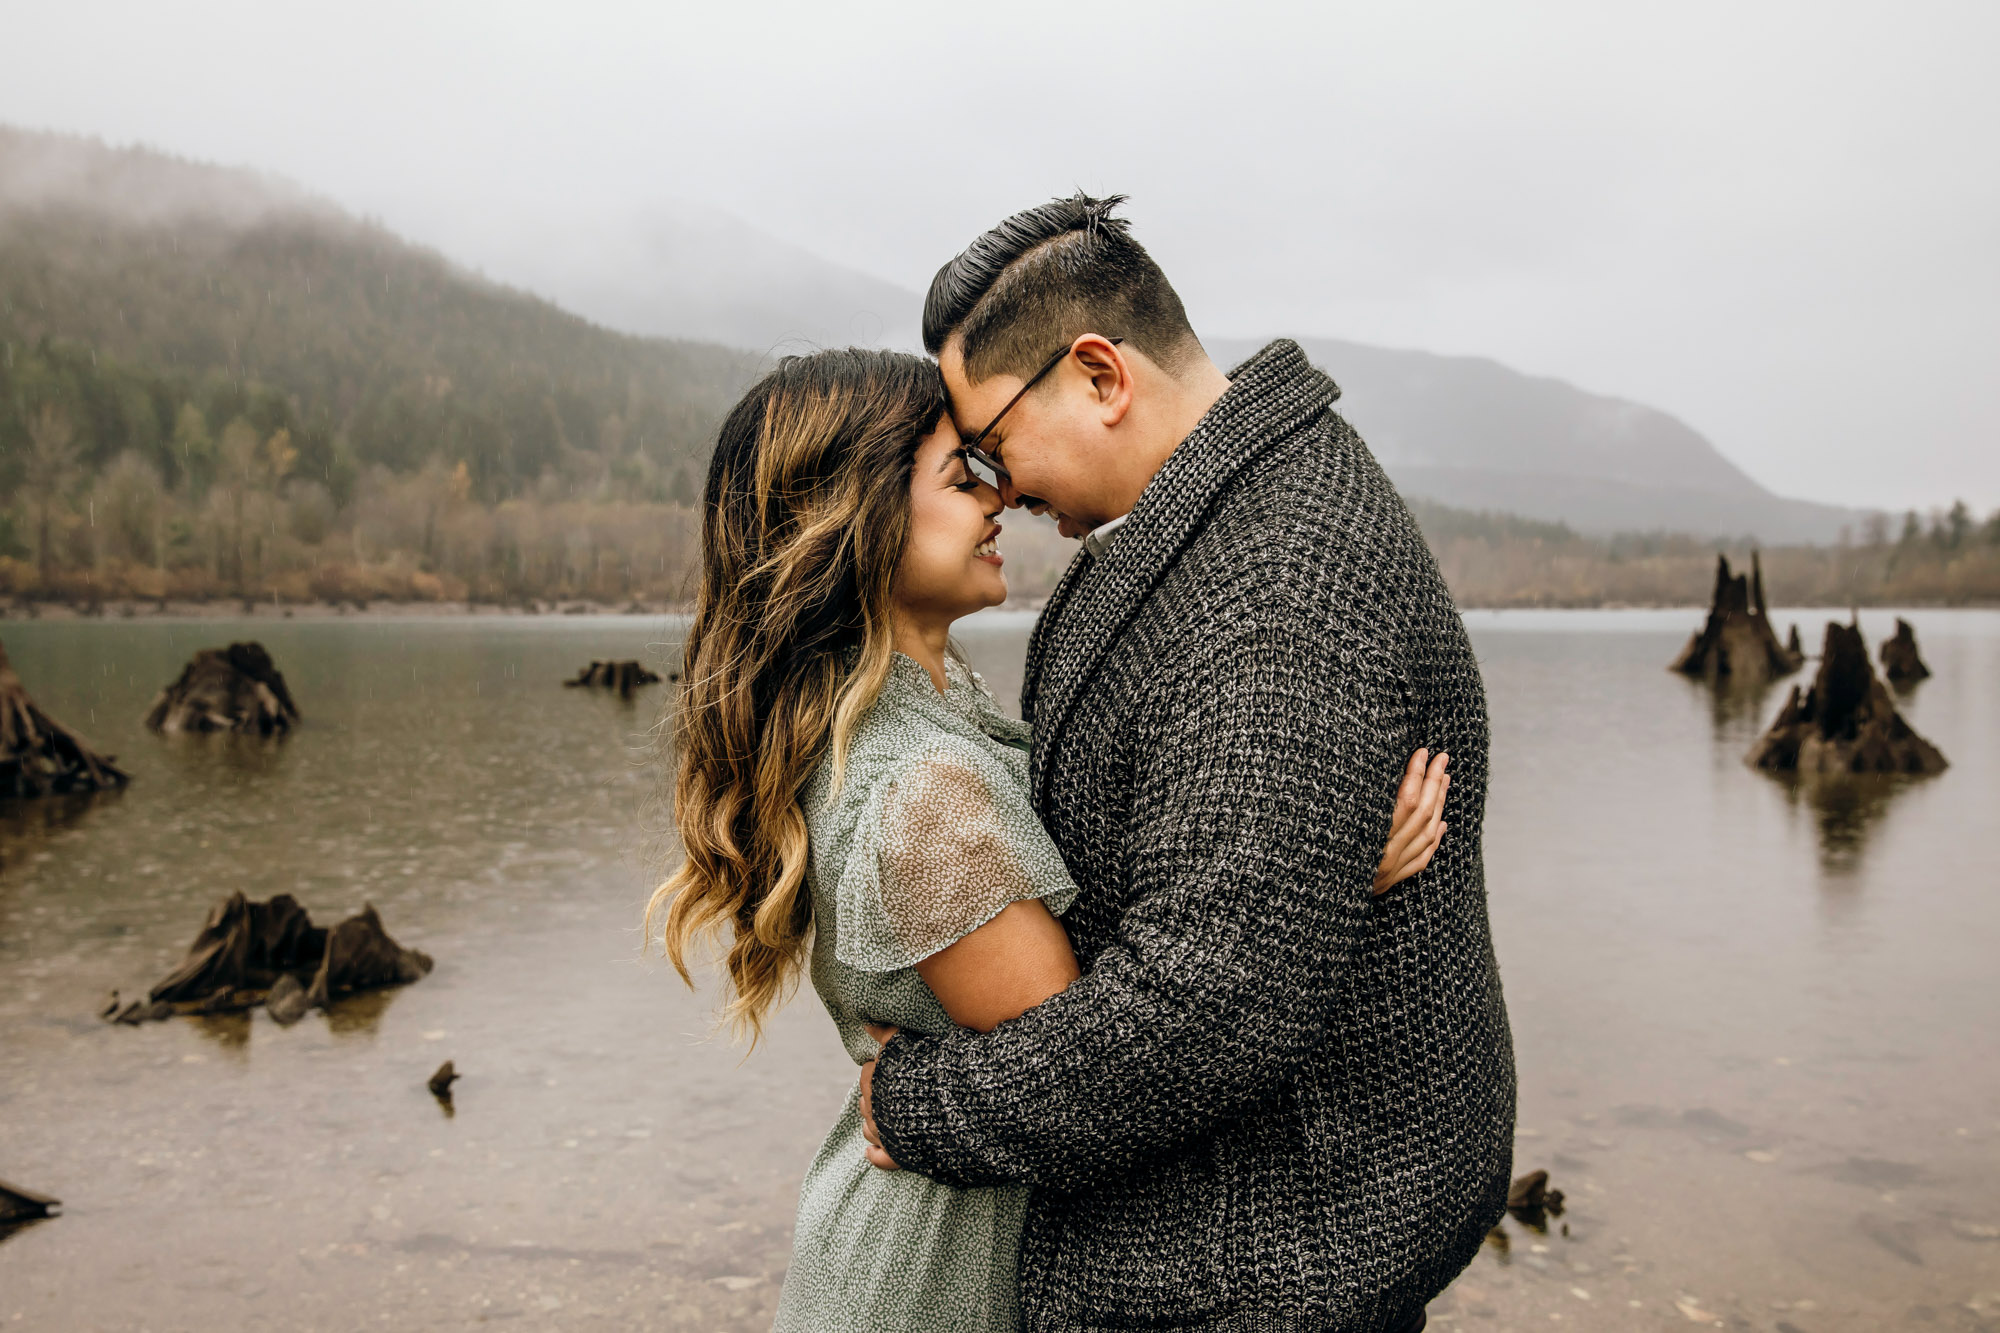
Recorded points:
(947, 840)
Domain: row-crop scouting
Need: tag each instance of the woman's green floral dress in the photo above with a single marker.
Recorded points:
(928, 837)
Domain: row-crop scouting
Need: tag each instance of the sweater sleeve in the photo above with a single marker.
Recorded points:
(1262, 796)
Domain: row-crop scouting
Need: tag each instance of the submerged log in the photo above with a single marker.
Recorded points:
(1738, 642)
(624, 677)
(18, 1204)
(1846, 722)
(270, 953)
(237, 688)
(1901, 662)
(39, 756)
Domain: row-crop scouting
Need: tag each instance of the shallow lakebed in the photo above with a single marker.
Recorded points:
(1758, 1028)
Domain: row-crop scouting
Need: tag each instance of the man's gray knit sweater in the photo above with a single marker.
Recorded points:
(1272, 1102)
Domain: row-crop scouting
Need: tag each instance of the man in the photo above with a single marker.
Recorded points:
(1270, 1102)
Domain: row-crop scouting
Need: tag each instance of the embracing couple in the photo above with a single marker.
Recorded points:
(1175, 1004)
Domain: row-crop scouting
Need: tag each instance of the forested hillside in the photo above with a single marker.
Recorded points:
(215, 385)
(1502, 560)
(189, 344)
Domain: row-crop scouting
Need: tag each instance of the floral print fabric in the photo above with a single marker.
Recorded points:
(927, 836)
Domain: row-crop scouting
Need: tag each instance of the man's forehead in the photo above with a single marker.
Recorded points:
(972, 405)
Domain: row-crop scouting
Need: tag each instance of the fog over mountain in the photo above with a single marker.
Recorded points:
(1471, 433)
(679, 270)
(1464, 431)
(133, 283)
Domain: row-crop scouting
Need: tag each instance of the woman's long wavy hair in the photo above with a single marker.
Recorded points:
(807, 509)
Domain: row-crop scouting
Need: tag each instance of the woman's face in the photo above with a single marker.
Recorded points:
(951, 565)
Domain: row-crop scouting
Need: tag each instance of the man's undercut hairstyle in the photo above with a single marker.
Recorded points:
(1044, 278)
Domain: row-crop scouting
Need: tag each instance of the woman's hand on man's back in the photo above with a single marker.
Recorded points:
(1419, 824)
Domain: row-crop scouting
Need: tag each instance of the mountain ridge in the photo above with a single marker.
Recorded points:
(389, 350)
(582, 354)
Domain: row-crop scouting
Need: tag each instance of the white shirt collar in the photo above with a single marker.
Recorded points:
(1098, 540)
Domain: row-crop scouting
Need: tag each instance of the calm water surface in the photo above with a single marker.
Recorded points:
(1756, 1027)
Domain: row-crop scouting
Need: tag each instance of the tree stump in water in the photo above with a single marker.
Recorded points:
(360, 956)
(1738, 641)
(1845, 723)
(226, 689)
(39, 756)
(624, 677)
(245, 946)
(249, 953)
(1901, 662)
(1793, 646)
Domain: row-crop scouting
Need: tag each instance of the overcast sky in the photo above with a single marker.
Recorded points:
(1779, 221)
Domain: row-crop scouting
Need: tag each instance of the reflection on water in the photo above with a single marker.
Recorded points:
(1736, 704)
(1757, 1033)
(23, 824)
(360, 1014)
(1844, 808)
(229, 1032)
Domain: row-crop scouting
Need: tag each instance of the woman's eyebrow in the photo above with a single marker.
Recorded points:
(957, 455)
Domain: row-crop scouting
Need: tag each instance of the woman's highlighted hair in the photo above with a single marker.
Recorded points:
(807, 509)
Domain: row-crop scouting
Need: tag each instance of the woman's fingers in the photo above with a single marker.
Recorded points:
(1414, 859)
(1418, 824)
(1412, 824)
(1430, 850)
(1411, 785)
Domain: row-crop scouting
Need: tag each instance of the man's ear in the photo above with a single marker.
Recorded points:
(1110, 375)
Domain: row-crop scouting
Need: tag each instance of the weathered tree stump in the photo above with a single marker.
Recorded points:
(440, 1082)
(1845, 723)
(1738, 642)
(360, 955)
(1532, 1202)
(1793, 646)
(39, 756)
(624, 677)
(245, 946)
(1901, 662)
(270, 953)
(226, 689)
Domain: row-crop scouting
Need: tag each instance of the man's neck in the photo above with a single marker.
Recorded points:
(1189, 395)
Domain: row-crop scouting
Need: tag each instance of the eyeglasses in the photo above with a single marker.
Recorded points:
(977, 460)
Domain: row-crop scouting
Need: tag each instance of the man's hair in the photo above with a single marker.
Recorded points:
(1043, 279)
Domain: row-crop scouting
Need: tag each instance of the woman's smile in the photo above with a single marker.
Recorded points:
(989, 549)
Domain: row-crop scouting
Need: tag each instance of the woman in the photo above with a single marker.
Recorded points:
(848, 791)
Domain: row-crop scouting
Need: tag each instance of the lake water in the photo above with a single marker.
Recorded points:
(1756, 1028)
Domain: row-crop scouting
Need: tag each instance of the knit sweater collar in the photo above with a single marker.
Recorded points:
(1269, 396)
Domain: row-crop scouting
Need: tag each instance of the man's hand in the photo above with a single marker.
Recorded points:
(881, 1032)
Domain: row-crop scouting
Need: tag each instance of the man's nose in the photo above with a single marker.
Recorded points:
(1010, 494)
